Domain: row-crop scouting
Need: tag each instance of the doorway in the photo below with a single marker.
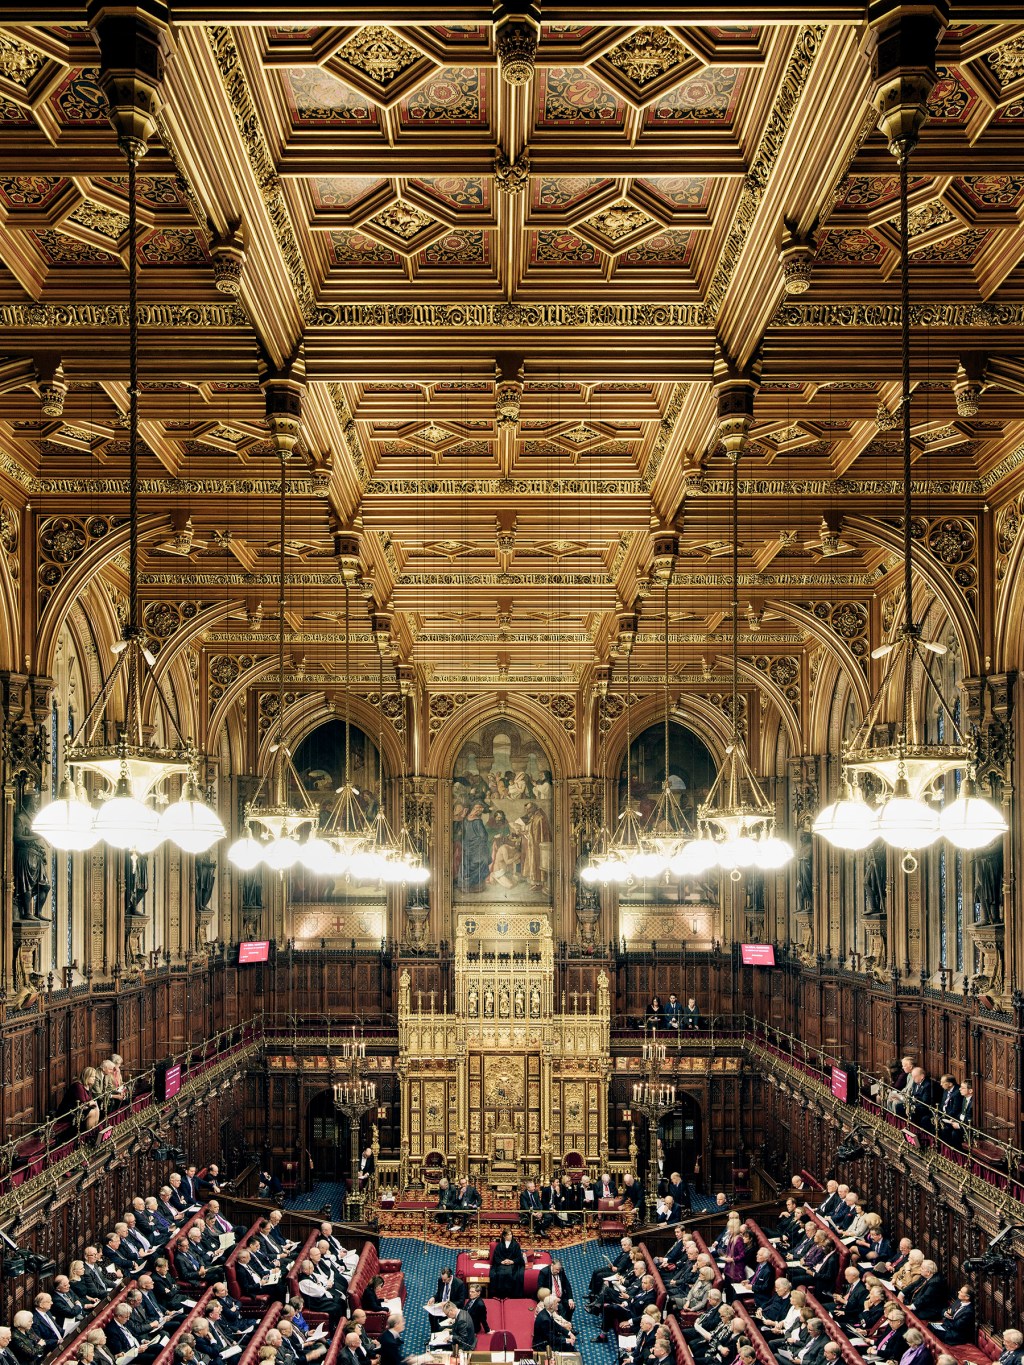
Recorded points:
(327, 1139)
(682, 1137)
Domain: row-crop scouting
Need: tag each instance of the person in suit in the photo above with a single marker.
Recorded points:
(697, 1296)
(542, 1324)
(66, 1303)
(705, 1323)
(449, 1289)
(530, 1202)
(670, 1211)
(476, 1307)
(605, 1187)
(367, 1166)
(508, 1266)
(895, 1263)
(832, 1200)
(462, 1333)
(895, 1102)
(165, 1290)
(691, 1015)
(351, 1352)
(922, 1099)
(189, 1184)
(120, 1337)
(1013, 1348)
(447, 1200)
(929, 1295)
(159, 1221)
(845, 1213)
(951, 1102)
(7, 1356)
(676, 1252)
(876, 1248)
(848, 1305)
(677, 1189)
(371, 1299)
(959, 1127)
(563, 1338)
(640, 1296)
(957, 1327)
(775, 1312)
(893, 1341)
(391, 1340)
(917, 1350)
(762, 1282)
(673, 1012)
(646, 1336)
(44, 1323)
(469, 1199)
(619, 1266)
(152, 1308)
(554, 1278)
(823, 1281)
(167, 1206)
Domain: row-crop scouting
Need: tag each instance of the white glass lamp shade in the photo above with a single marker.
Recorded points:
(123, 821)
(772, 853)
(281, 854)
(646, 864)
(849, 822)
(589, 874)
(317, 855)
(702, 855)
(67, 822)
(737, 851)
(970, 821)
(906, 823)
(245, 852)
(190, 822)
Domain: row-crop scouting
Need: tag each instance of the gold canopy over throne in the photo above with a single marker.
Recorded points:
(505, 1083)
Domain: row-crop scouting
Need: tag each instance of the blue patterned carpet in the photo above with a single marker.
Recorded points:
(323, 1192)
(422, 1263)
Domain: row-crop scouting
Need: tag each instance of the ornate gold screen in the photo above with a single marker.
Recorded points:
(504, 1084)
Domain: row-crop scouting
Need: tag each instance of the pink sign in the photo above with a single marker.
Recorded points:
(172, 1080)
(757, 954)
(253, 952)
(840, 1084)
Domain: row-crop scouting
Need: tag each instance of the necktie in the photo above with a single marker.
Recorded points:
(51, 1324)
(444, 1296)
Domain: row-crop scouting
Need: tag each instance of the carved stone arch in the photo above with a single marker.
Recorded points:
(235, 689)
(823, 633)
(831, 678)
(780, 704)
(314, 708)
(938, 579)
(178, 644)
(179, 688)
(11, 651)
(651, 710)
(89, 567)
(82, 635)
(231, 743)
(1008, 627)
(449, 739)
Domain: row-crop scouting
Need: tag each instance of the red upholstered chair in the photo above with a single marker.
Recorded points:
(503, 1345)
(611, 1225)
(433, 1169)
(573, 1166)
(290, 1176)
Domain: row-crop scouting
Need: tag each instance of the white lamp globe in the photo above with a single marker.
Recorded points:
(122, 820)
(281, 854)
(971, 822)
(647, 864)
(190, 822)
(848, 823)
(906, 823)
(772, 853)
(317, 855)
(147, 840)
(67, 822)
(245, 852)
(739, 851)
(589, 874)
(703, 854)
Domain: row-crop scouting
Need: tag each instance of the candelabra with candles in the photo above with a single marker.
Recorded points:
(353, 1098)
(653, 1098)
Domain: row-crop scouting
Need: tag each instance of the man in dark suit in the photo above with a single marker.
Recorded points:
(190, 1184)
(622, 1263)
(670, 1211)
(640, 1296)
(928, 1297)
(922, 1098)
(706, 1323)
(675, 1252)
(957, 1327)
(542, 1325)
(120, 1337)
(7, 1356)
(762, 1283)
(65, 1304)
(832, 1200)
(391, 1340)
(951, 1102)
(823, 1281)
(553, 1277)
(530, 1201)
(605, 1187)
(1013, 1348)
(850, 1304)
(178, 1198)
(450, 1289)
(462, 1333)
(43, 1321)
(960, 1126)
(673, 1012)
(845, 1213)
(892, 1343)
(476, 1307)
(367, 1164)
(119, 1254)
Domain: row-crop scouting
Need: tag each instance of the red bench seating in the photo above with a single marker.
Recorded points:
(514, 1316)
(680, 1346)
(167, 1353)
(252, 1347)
(837, 1242)
(655, 1273)
(754, 1336)
(981, 1353)
(778, 1261)
(367, 1267)
(99, 1319)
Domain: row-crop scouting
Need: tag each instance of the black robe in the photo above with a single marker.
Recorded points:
(507, 1280)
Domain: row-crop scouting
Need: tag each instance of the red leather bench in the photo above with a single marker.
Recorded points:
(167, 1353)
(837, 1242)
(655, 1273)
(754, 1336)
(514, 1316)
(337, 1342)
(367, 1267)
(99, 1319)
(258, 1337)
(680, 1346)
(850, 1354)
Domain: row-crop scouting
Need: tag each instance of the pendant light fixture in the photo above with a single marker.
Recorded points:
(737, 820)
(134, 767)
(907, 770)
(666, 834)
(272, 817)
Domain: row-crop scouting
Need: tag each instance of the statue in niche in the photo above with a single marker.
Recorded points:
(205, 876)
(31, 860)
(252, 889)
(489, 1002)
(520, 1002)
(875, 881)
(504, 1002)
(988, 883)
(136, 884)
(805, 874)
(535, 1001)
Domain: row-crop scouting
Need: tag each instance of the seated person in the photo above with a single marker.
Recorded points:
(654, 1013)
(957, 1327)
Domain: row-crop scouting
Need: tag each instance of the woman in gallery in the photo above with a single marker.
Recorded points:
(508, 1266)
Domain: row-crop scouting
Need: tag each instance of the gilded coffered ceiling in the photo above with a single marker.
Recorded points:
(509, 301)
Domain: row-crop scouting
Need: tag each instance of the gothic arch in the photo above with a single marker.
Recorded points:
(449, 739)
(177, 645)
(827, 637)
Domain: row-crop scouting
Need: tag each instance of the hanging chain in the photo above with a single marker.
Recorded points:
(735, 593)
(280, 615)
(908, 577)
(667, 585)
(131, 153)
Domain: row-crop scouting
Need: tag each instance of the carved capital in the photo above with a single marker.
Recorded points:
(735, 390)
(516, 38)
(901, 45)
(511, 177)
(228, 255)
(283, 390)
(134, 41)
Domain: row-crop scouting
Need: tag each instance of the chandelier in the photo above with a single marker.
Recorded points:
(272, 817)
(737, 821)
(905, 768)
(134, 769)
